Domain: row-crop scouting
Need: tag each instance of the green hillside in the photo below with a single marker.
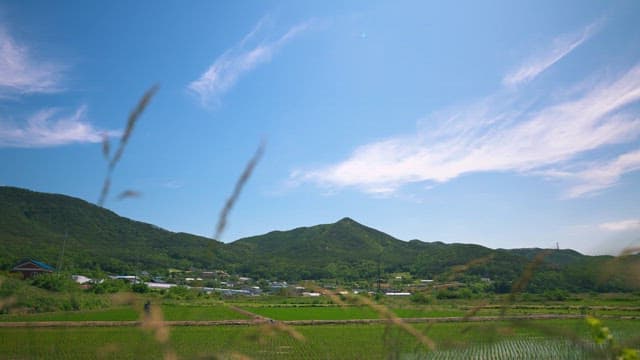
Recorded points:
(37, 225)
(345, 248)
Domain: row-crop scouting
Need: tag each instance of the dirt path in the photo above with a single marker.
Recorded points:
(248, 313)
(259, 320)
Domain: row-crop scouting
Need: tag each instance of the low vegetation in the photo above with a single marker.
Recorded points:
(455, 340)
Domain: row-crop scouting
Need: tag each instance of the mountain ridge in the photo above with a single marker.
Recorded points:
(36, 225)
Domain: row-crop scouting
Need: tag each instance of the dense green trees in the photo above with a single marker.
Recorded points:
(38, 226)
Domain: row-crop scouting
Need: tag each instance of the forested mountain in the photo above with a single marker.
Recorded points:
(37, 225)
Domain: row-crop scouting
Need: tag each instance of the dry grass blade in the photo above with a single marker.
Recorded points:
(131, 122)
(238, 356)
(154, 322)
(107, 351)
(170, 355)
(527, 274)
(271, 328)
(633, 342)
(625, 266)
(330, 294)
(284, 328)
(630, 251)
(553, 331)
(455, 270)
(106, 185)
(106, 146)
(384, 312)
(7, 302)
(524, 279)
(123, 298)
(129, 194)
(474, 310)
(242, 180)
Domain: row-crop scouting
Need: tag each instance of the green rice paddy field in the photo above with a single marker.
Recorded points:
(315, 313)
(539, 339)
(502, 340)
(222, 311)
(363, 312)
(170, 313)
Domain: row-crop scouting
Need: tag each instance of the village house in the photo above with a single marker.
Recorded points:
(30, 268)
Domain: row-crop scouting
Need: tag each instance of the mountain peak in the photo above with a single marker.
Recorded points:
(346, 220)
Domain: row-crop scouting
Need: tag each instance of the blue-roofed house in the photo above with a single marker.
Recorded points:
(30, 267)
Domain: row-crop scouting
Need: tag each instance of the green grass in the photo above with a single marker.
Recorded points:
(114, 314)
(78, 343)
(315, 313)
(455, 340)
(200, 313)
(170, 313)
(448, 310)
(218, 311)
(428, 312)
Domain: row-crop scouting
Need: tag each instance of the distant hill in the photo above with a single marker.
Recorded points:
(37, 225)
(323, 251)
(559, 257)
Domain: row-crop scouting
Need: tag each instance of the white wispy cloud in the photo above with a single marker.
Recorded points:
(508, 138)
(21, 73)
(245, 56)
(603, 175)
(173, 184)
(621, 225)
(559, 48)
(49, 127)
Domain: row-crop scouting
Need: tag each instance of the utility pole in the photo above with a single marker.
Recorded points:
(379, 274)
(64, 243)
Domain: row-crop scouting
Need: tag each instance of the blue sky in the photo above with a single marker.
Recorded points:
(499, 123)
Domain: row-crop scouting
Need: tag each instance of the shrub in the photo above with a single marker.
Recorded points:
(110, 286)
(447, 294)
(180, 292)
(141, 288)
(54, 282)
(556, 295)
(420, 298)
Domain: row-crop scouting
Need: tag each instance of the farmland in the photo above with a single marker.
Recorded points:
(460, 308)
(455, 340)
(170, 312)
(213, 310)
(373, 338)
(315, 312)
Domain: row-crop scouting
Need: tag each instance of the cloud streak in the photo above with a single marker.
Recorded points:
(21, 74)
(600, 176)
(622, 225)
(242, 58)
(560, 47)
(487, 138)
(48, 128)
